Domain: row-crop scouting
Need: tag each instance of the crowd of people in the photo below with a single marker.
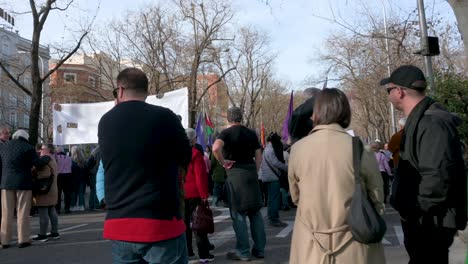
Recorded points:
(153, 183)
(22, 168)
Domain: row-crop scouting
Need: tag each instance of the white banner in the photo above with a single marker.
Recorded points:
(78, 123)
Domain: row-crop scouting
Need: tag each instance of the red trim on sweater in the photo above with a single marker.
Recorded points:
(142, 229)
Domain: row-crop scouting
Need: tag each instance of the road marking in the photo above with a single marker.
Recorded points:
(288, 229)
(73, 227)
(399, 233)
(223, 216)
(386, 242)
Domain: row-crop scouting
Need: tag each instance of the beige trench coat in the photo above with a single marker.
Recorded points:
(49, 199)
(321, 180)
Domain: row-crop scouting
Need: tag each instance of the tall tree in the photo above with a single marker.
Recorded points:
(40, 12)
(460, 9)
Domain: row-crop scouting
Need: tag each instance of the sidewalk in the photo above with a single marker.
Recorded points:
(397, 255)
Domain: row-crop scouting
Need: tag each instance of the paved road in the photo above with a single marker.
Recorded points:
(82, 242)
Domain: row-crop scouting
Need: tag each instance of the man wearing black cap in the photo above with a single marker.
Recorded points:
(429, 190)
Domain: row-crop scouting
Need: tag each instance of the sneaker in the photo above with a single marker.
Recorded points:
(53, 235)
(234, 256)
(206, 259)
(278, 224)
(41, 238)
(192, 259)
(25, 244)
(81, 208)
(258, 255)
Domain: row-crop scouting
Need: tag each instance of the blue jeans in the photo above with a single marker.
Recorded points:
(93, 200)
(285, 198)
(78, 194)
(172, 251)
(257, 230)
(274, 200)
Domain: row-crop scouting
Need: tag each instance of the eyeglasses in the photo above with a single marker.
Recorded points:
(114, 92)
(389, 89)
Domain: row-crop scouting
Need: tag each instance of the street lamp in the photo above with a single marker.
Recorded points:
(389, 70)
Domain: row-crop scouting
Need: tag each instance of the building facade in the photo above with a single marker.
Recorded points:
(15, 55)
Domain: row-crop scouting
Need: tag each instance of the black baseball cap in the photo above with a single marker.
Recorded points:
(408, 76)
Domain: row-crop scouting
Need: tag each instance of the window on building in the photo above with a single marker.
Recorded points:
(13, 100)
(13, 121)
(92, 81)
(69, 77)
(27, 101)
(5, 45)
(26, 120)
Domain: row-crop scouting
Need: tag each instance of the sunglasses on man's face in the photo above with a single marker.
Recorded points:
(389, 89)
(114, 92)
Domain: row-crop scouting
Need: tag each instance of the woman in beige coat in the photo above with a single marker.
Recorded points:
(46, 202)
(321, 179)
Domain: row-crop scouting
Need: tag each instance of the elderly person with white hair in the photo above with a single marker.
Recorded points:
(18, 158)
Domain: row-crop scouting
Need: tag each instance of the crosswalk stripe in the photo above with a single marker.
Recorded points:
(287, 230)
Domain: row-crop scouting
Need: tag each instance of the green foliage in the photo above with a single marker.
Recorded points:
(452, 92)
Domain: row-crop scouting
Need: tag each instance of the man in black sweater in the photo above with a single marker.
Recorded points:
(142, 147)
(300, 123)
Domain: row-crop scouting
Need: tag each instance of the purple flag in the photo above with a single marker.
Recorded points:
(285, 132)
(200, 132)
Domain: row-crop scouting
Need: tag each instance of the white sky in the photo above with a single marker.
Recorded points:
(296, 33)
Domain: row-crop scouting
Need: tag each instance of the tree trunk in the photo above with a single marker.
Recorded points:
(460, 8)
(36, 97)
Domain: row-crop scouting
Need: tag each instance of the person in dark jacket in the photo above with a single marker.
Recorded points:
(429, 190)
(92, 167)
(18, 158)
(142, 148)
(300, 123)
(218, 174)
(4, 137)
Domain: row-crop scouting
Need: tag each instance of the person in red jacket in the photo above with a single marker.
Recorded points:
(196, 192)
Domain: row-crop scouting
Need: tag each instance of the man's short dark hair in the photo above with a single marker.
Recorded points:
(332, 106)
(311, 92)
(234, 114)
(134, 80)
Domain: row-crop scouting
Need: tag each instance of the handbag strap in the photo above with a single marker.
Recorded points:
(357, 154)
(271, 167)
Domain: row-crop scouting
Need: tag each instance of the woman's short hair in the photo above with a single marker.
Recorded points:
(332, 106)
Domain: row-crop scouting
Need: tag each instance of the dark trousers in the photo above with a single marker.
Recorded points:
(64, 184)
(426, 242)
(386, 183)
(203, 243)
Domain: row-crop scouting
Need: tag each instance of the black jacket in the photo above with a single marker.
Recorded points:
(430, 178)
(18, 157)
(300, 123)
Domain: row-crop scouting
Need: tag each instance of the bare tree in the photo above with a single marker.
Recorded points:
(253, 73)
(40, 13)
(207, 20)
(460, 8)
